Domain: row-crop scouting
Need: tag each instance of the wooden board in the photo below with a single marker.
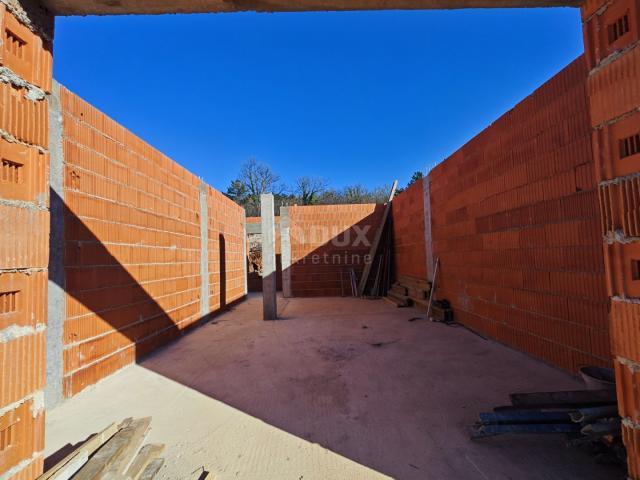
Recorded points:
(147, 454)
(152, 469)
(69, 465)
(376, 241)
(116, 455)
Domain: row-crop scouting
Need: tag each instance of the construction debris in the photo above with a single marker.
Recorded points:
(114, 453)
(589, 418)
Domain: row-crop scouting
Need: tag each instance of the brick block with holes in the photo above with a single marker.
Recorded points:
(617, 148)
(24, 52)
(22, 437)
(612, 30)
(520, 252)
(23, 173)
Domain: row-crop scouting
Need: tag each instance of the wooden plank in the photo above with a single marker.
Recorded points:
(136, 435)
(70, 464)
(558, 399)
(143, 459)
(376, 241)
(116, 455)
(152, 469)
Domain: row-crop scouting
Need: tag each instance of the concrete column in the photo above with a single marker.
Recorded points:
(426, 181)
(56, 299)
(244, 255)
(285, 251)
(204, 251)
(269, 300)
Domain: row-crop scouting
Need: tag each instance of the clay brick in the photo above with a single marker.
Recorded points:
(617, 148)
(22, 367)
(623, 262)
(78, 381)
(515, 224)
(31, 471)
(25, 426)
(26, 120)
(24, 52)
(631, 438)
(628, 391)
(611, 30)
(625, 329)
(132, 252)
(590, 7)
(614, 90)
(23, 299)
(24, 237)
(24, 173)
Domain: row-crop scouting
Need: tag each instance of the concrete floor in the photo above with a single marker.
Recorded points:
(311, 397)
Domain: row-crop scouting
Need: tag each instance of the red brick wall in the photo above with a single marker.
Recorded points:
(407, 213)
(132, 253)
(325, 246)
(516, 226)
(612, 43)
(24, 236)
(226, 250)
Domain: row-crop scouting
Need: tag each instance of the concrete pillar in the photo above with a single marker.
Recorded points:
(285, 251)
(427, 226)
(204, 251)
(244, 255)
(56, 300)
(269, 300)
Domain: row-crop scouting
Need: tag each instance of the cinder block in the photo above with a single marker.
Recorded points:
(24, 173)
(24, 52)
(24, 426)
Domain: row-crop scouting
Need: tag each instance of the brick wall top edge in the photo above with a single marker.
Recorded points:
(566, 77)
(72, 105)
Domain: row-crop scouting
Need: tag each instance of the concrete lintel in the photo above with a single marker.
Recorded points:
(204, 251)
(285, 251)
(269, 300)
(428, 242)
(56, 296)
(102, 7)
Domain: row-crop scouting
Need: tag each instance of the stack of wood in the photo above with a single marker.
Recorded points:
(114, 453)
(409, 292)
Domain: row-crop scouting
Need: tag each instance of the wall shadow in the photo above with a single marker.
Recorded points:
(110, 319)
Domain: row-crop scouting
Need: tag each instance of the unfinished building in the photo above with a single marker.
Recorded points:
(110, 250)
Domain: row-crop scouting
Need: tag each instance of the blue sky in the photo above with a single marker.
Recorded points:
(354, 97)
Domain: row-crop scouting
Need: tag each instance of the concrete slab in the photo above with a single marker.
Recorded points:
(115, 7)
(311, 397)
